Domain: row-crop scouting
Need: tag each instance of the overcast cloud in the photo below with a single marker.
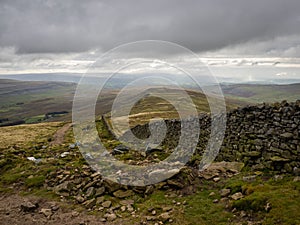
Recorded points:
(232, 36)
(55, 26)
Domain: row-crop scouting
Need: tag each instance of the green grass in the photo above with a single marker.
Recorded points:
(282, 195)
(35, 181)
(10, 178)
(35, 119)
(18, 172)
(202, 210)
(199, 208)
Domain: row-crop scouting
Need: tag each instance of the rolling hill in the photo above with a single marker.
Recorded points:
(40, 101)
(258, 93)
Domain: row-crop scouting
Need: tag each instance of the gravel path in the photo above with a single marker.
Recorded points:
(58, 137)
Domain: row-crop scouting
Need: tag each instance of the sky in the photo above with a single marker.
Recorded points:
(251, 40)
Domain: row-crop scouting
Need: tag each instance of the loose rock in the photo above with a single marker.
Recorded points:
(225, 192)
(28, 207)
(237, 196)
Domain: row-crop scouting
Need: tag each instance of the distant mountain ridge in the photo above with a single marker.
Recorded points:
(75, 78)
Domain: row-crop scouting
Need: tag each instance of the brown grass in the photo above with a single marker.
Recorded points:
(24, 134)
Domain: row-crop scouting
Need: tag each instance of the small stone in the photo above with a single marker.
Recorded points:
(123, 194)
(127, 202)
(63, 188)
(123, 208)
(90, 184)
(225, 192)
(115, 207)
(153, 212)
(296, 171)
(243, 214)
(46, 212)
(150, 218)
(90, 192)
(111, 186)
(90, 203)
(207, 176)
(252, 154)
(212, 194)
(175, 184)
(72, 146)
(249, 178)
(287, 135)
(258, 173)
(75, 214)
(130, 208)
(28, 207)
(64, 154)
(167, 208)
(149, 190)
(54, 207)
(79, 199)
(96, 174)
(234, 171)
(216, 179)
(296, 179)
(164, 217)
(121, 149)
(100, 191)
(100, 200)
(215, 200)
(110, 216)
(268, 207)
(237, 196)
(150, 209)
(106, 204)
(160, 185)
(278, 177)
(224, 199)
(279, 159)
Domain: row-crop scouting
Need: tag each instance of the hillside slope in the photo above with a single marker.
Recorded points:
(225, 193)
(28, 102)
(258, 93)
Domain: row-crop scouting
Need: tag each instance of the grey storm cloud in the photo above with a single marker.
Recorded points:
(56, 26)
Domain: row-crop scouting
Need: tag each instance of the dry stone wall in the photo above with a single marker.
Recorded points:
(265, 136)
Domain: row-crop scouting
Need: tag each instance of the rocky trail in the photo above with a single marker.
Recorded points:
(58, 137)
(18, 210)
